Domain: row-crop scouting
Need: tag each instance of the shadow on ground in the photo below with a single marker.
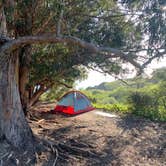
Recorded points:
(122, 141)
(91, 140)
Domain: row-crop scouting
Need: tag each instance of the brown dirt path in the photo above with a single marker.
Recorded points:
(116, 141)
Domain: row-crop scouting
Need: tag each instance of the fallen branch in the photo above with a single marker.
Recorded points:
(1, 159)
(32, 117)
(41, 120)
(56, 158)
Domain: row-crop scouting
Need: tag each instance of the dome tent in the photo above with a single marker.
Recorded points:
(73, 102)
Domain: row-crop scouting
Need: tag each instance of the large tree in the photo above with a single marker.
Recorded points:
(95, 33)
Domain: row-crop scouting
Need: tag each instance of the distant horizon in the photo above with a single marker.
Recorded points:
(96, 78)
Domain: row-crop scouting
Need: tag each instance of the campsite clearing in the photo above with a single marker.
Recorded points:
(95, 138)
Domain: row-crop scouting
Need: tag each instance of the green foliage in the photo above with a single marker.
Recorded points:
(152, 22)
(101, 22)
(118, 108)
(141, 96)
(60, 65)
(159, 74)
(150, 104)
(54, 94)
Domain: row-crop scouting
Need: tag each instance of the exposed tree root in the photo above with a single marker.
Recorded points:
(74, 142)
(77, 151)
(56, 158)
(32, 117)
(64, 151)
(54, 151)
(1, 159)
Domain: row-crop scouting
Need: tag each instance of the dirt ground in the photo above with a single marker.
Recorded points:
(94, 139)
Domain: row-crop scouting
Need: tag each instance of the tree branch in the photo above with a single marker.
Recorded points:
(44, 25)
(59, 23)
(38, 93)
(108, 17)
(52, 38)
(3, 29)
(111, 74)
(64, 84)
(153, 57)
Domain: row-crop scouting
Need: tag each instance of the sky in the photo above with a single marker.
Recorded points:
(96, 78)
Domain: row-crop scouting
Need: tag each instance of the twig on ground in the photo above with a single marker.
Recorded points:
(80, 144)
(37, 157)
(41, 120)
(1, 159)
(57, 155)
(32, 116)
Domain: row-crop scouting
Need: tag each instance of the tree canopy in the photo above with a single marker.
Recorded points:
(97, 34)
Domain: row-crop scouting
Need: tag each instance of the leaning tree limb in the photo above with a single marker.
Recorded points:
(53, 38)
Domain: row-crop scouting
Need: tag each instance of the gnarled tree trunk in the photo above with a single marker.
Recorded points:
(13, 125)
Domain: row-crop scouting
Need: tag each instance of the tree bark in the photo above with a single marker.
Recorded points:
(52, 38)
(35, 97)
(25, 59)
(13, 125)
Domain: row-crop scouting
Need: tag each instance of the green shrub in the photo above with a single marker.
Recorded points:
(151, 105)
(140, 101)
(119, 108)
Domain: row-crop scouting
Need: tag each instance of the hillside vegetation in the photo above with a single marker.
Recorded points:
(140, 96)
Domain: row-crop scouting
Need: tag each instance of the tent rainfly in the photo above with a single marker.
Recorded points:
(73, 102)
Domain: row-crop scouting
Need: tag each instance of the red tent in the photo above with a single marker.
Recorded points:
(73, 102)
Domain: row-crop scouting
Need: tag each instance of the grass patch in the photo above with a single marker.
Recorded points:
(118, 108)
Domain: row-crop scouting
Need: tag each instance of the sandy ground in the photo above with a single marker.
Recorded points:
(116, 140)
(99, 139)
